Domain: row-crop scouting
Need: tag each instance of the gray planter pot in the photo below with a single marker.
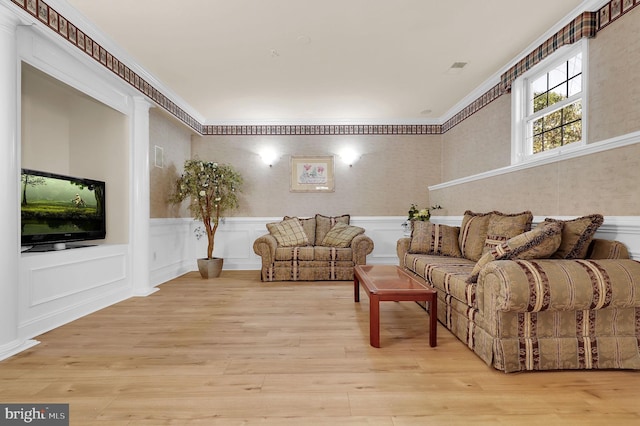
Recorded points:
(210, 268)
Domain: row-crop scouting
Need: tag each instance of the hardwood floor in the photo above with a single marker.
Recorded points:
(235, 351)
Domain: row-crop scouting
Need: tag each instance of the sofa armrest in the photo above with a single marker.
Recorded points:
(265, 247)
(361, 246)
(402, 248)
(607, 249)
(558, 285)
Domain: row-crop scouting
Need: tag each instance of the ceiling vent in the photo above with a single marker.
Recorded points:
(456, 68)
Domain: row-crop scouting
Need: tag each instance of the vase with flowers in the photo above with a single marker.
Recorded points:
(212, 189)
(416, 213)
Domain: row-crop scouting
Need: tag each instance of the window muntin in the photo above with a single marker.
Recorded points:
(554, 106)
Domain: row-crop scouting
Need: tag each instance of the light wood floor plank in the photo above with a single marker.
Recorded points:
(235, 351)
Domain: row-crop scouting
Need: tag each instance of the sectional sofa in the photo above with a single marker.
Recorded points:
(547, 298)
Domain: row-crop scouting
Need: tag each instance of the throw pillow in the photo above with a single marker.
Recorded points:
(309, 226)
(539, 243)
(288, 233)
(433, 238)
(473, 233)
(341, 235)
(504, 226)
(577, 235)
(325, 223)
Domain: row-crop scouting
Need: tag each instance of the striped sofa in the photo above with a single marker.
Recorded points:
(523, 309)
(318, 248)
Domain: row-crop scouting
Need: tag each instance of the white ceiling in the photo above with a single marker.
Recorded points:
(324, 61)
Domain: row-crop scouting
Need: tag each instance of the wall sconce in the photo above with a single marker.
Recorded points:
(349, 156)
(268, 157)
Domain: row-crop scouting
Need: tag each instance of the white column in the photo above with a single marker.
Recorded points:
(10, 342)
(140, 221)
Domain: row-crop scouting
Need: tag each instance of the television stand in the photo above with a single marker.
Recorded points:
(39, 248)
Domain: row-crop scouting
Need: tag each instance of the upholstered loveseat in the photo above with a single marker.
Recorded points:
(319, 248)
(549, 298)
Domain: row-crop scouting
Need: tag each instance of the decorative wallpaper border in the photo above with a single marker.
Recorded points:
(491, 95)
(614, 10)
(426, 129)
(585, 25)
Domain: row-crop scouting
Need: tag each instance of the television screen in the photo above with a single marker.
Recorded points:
(58, 209)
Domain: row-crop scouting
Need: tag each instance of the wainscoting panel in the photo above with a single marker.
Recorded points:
(174, 247)
(60, 286)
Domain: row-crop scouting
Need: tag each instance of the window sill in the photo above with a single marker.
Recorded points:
(561, 155)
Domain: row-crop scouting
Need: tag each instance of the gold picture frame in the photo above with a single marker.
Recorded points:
(312, 173)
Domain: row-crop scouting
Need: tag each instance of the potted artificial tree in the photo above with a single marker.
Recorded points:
(212, 190)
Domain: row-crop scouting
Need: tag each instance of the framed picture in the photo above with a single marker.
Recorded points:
(312, 174)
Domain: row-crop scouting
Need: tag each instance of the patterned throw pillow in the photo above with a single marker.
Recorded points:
(577, 235)
(539, 243)
(341, 235)
(325, 223)
(432, 238)
(504, 226)
(288, 233)
(309, 226)
(473, 234)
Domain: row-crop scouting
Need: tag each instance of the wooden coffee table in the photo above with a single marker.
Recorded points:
(391, 283)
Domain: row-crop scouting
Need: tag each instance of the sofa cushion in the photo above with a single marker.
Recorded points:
(288, 233)
(309, 226)
(432, 238)
(341, 235)
(504, 226)
(325, 223)
(576, 236)
(473, 234)
(311, 254)
(295, 253)
(446, 274)
(539, 243)
(333, 254)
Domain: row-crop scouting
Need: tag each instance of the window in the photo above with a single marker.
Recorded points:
(549, 105)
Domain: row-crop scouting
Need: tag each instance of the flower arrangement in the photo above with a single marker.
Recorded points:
(418, 214)
(212, 189)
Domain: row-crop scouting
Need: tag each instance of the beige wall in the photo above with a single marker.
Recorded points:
(174, 139)
(392, 173)
(69, 133)
(614, 79)
(604, 182)
(479, 143)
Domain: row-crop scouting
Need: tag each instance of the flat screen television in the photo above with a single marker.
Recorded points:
(57, 209)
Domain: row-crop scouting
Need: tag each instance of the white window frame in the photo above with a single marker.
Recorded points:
(521, 148)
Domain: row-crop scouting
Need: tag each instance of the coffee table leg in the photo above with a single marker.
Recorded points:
(374, 321)
(433, 321)
(356, 288)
